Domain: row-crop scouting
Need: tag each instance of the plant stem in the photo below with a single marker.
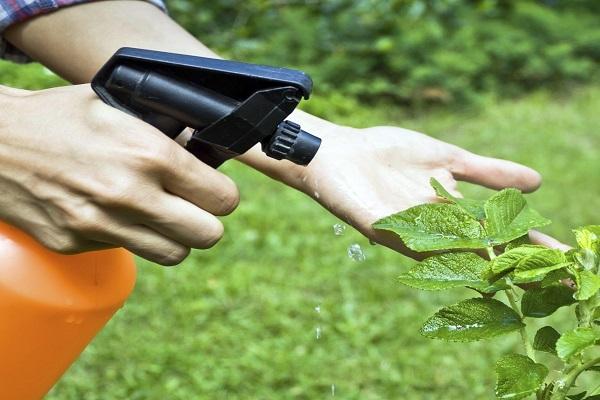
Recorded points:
(512, 299)
(563, 385)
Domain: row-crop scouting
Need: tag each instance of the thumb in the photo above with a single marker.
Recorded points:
(494, 173)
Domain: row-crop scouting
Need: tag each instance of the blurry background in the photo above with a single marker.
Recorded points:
(511, 79)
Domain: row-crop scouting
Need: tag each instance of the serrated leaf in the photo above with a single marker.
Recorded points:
(508, 216)
(472, 320)
(511, 258)
(545, 340)
(518, 376)
(541, 302)
(588, 237)
(541, 259)
(538, 273)
(430, 227)
(473, 207)
(586, 258)
(588, 284)
(447, 271)
(574, 342)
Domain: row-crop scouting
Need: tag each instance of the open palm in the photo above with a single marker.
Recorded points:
(361, 175)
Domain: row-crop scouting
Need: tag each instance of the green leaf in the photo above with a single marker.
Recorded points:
(588, 237)
(530, 262)
(472, 320)
(539, 273)
(511, 258)
(429, 227)
(541, 259)
(541, 302)
(574, 342)
(473, 207)
(588, 284)
(545, 339)
(518, 376)
(447, 271)
(492, 288)
(556, 277)
(508, 217)
(523, 240)
(578, 396)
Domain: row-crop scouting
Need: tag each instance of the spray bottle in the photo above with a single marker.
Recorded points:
(52, 305)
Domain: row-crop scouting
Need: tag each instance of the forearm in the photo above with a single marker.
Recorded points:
(76, 41)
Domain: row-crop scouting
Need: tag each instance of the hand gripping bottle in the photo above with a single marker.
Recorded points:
(51, 306)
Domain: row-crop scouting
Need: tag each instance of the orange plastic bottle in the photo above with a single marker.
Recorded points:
(51, 306)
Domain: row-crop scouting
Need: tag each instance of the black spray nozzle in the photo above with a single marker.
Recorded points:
(290, 142)
(232, 106)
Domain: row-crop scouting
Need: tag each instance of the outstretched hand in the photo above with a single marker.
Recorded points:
(362, 175)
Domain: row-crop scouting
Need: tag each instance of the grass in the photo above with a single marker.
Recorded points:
(238, 321)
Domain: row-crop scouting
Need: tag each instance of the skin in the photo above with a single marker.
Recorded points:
(92, 183)
(360, 175)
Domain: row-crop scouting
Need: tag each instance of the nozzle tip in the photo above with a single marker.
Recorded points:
(292, 143)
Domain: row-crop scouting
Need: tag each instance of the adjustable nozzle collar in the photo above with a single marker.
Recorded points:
(291, 143)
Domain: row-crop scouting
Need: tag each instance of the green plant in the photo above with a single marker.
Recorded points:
(412, 52)
(536, 281)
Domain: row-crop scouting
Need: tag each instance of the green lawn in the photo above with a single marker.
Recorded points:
(239, 321)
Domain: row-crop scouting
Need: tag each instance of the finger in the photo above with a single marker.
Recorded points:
(10, 91)
(146, 243)
(196, 182)
(540, 238)
(494, 173)
(184, 222)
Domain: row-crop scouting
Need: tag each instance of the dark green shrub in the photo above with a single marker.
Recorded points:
(411, 52)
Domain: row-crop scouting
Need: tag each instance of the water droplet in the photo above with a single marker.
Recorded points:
(355, 252)
(318, 332)
(318, 309)
(339, 229)
(332, 390)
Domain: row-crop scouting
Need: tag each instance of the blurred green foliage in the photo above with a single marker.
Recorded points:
(28, 76)
(412, 52)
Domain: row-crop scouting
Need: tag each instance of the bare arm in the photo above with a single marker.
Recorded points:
(76, 41)
(359, 174)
